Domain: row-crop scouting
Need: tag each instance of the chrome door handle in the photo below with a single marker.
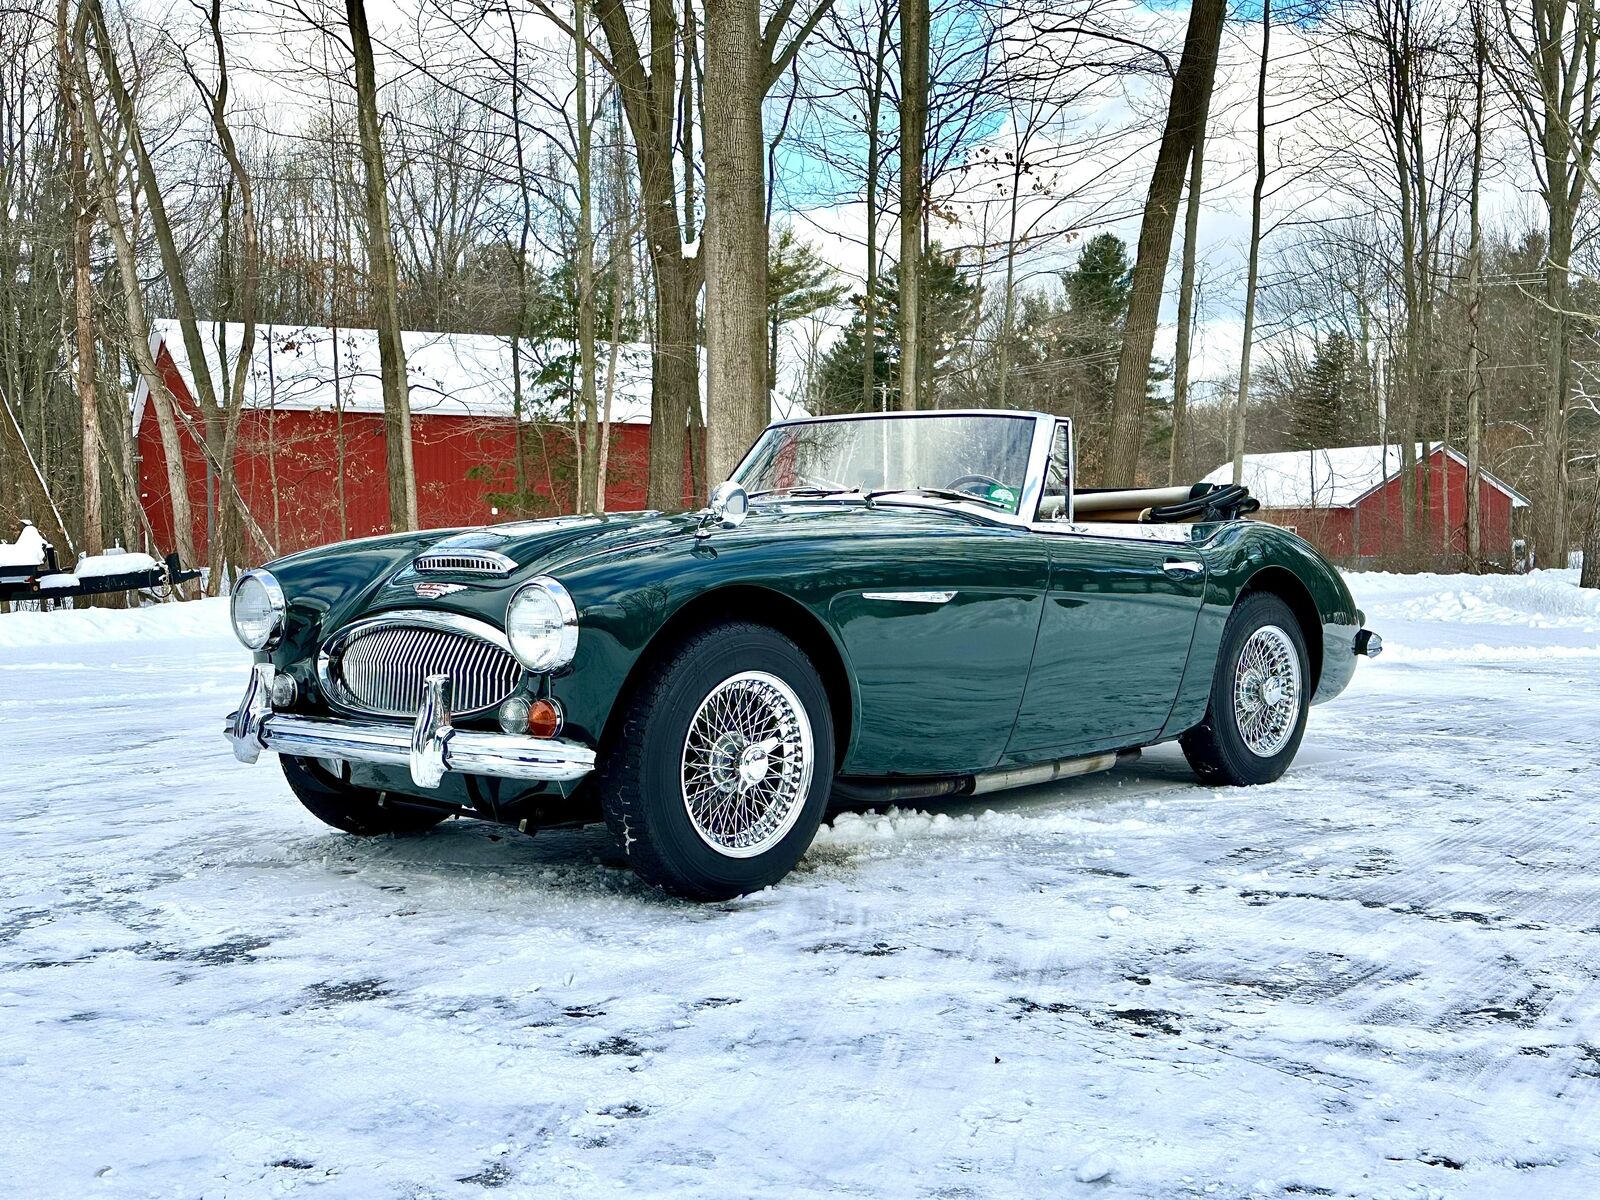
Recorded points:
(1182, 566)
(912, 597)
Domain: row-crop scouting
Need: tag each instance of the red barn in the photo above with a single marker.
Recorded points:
(310, 463)
(1347, 502)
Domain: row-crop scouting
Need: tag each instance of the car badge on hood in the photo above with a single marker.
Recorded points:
(432, 590)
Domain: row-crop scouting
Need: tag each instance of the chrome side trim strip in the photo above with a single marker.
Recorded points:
(912, 597)
(428, 748)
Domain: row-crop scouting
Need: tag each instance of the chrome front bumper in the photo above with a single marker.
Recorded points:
(429, 748)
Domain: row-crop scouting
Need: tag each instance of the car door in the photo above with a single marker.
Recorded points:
(939, 629)
(1119, 617)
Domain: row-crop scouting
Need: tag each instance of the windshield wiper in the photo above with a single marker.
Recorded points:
(941, 493)
(802, 491)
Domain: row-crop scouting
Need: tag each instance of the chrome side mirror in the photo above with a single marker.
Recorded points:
(729, 503)
(728, 506)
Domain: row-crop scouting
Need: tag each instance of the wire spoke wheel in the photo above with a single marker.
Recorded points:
(1266, 691)
(747, 764)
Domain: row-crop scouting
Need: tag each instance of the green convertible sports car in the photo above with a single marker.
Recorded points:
(881, 607)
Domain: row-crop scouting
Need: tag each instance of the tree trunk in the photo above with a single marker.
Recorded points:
(93, 540)
(1252, 284)
(171, 260)
(1008, 306)
(384, 285)
(621, 288)
(589, 442)
(675, 383)
(1475, 302)
(1550, 536)
(161, 400)
(735, 236)
(646, 82)
(1178, 449)
(869, 295)
(913, 132)
(1186, 114)
(250, 276)
(1589, 576)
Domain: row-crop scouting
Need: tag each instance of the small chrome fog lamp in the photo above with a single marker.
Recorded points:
(514, 715)
(285, 691)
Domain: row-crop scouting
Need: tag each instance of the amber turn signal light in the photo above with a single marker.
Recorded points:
(544, 718)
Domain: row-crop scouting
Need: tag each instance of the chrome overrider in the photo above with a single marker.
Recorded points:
(429, 748)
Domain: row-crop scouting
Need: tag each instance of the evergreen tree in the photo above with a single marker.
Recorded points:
(799, 283)
(1324, 403)
(949, 312)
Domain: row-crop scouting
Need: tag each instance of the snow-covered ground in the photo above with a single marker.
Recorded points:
(1374, 978)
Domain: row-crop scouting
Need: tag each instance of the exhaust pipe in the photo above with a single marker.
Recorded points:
(1014, 777)
(892, 791)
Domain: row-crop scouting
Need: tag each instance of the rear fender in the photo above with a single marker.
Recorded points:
(1250, 556)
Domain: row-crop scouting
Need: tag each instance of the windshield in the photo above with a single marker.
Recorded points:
(983, 459)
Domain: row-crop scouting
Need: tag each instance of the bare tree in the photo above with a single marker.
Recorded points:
(1184, 349)
(229, 546)
(735, 235)
(1253, 280)
(382, 278)
(83, 223)
(1549, 63)
(161, 401)
(1186, 110)
(913, 132)
(1480, 54)
(589, 499)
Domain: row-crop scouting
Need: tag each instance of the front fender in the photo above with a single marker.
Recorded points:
(625, 600)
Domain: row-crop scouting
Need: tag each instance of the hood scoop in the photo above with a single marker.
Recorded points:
(465, 555)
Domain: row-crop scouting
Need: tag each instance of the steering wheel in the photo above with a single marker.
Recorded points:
(963, 483)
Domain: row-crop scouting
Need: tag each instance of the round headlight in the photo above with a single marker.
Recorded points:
(542, 625)
(258, 608)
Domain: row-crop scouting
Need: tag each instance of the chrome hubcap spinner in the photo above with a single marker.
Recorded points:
(1266, 691)
(747, 764)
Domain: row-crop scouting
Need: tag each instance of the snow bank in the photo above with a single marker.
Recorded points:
(26, 551)
(158, 622)
(1539, 600)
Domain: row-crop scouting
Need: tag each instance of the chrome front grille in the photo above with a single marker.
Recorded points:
(379, 666)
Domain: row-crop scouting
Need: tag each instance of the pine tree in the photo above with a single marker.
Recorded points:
(949, 311)
(1324, 402)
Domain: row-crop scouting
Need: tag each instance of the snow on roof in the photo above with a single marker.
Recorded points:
(1334, 478)
(308, 367)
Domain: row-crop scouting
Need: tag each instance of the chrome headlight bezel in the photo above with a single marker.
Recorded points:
(277, 607)
(555, 643)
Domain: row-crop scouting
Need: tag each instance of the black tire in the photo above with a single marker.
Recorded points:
(357, 810)
(641, 784)
(1216, 748)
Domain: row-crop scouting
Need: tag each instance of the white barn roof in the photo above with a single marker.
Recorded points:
(1335, 478)
(307, 368)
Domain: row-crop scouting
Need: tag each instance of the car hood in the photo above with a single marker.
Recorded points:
(549, 546)
(331, 585)
(536, 546)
